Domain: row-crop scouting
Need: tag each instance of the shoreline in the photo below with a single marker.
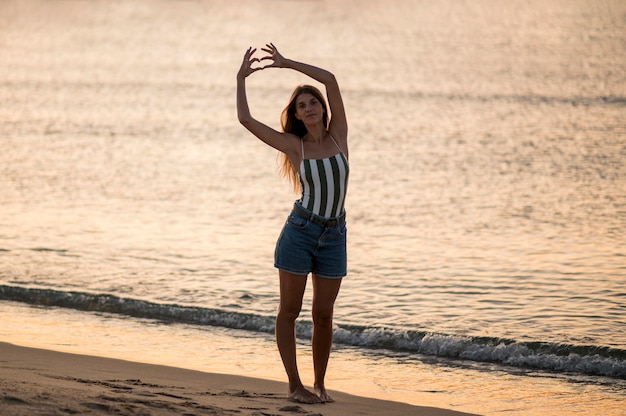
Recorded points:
(40, 381)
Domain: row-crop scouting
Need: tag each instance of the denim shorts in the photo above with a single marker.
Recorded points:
(305, 246)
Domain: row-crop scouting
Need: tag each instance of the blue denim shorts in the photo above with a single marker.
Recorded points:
(306, 246)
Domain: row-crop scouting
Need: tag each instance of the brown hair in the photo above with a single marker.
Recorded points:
(291, 124)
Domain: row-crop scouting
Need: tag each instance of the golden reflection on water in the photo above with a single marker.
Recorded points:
(487, 146)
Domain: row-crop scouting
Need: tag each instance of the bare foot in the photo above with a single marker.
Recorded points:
(323, 394)
(302, 395)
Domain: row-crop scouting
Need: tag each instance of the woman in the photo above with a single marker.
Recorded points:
(313, 240)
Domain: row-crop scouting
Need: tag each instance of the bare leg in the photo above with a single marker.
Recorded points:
(291, 292)
(324, 294)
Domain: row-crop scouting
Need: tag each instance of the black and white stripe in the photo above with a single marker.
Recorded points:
(324, 185)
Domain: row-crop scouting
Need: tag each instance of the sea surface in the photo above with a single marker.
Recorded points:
(486, 208)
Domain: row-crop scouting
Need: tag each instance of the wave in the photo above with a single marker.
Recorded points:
(566, 358)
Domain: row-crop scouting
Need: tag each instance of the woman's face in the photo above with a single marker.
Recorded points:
(309, 109)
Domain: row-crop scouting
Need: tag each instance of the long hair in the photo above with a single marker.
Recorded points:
(291, 124)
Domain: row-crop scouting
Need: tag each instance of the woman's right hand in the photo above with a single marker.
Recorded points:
(246, 66)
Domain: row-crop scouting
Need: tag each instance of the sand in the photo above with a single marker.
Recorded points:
(43, 382)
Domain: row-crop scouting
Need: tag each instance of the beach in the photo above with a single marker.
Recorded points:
(44, 382)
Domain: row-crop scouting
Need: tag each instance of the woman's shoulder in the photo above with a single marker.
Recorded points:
(341, 142)
(339, 135)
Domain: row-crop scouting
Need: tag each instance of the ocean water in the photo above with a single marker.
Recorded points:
(486, 212)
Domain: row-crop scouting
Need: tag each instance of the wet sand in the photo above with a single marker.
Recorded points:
(44, 382)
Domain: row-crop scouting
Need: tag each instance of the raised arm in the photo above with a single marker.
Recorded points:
(280, 141)
(338, 121)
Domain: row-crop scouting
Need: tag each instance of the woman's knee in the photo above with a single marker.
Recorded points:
(323, 317)
(288, 312)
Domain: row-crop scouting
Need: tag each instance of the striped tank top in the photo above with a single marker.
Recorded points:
(324, 183)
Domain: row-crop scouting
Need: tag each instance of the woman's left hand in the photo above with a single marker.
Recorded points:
(278, 61)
